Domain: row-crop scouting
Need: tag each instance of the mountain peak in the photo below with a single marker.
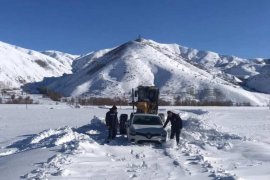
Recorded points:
(179, 72)
(19, 66)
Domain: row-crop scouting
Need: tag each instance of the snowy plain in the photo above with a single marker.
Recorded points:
(52, 141)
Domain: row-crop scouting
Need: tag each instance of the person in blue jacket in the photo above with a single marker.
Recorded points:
(176, 125)
(112, 122)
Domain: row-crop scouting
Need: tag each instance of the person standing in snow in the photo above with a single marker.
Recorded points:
(176, 125)
(112, 122)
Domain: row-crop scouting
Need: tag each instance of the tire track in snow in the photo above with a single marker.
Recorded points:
(196, 136)
(88, 158)
(136, 161)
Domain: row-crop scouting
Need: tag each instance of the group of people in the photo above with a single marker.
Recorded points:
(112, 124)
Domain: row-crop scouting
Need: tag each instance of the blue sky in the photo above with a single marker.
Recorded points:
(232, 27)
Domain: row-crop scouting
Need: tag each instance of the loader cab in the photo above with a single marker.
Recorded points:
(146, 99)
(147, 94)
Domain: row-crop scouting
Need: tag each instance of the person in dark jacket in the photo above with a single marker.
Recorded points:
(112, 122)
(176, 125)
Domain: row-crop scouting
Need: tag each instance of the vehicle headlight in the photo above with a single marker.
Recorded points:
(132, 132)
(164, 134)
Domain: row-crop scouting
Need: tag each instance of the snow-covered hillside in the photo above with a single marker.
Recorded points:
(231, 68)
(64, 58)
(19, 66)
(261, 82)
(178, 71)
(114, 72)
(216, 63)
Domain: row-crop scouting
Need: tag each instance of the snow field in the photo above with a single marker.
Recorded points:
(216, 143)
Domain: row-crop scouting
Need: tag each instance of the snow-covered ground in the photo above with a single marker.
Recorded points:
(62, 142)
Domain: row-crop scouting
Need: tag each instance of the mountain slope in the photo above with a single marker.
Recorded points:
(64, 58)
(114, 72)
(19, 66)
(233, 69)
(261, 82)
(214, 62)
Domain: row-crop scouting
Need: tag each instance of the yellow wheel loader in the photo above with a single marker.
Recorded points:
(145, 98)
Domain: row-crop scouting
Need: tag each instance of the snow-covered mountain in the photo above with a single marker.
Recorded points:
(64, 58)
(230, 68)
(261, 82)
(19, 66)
(178, 72)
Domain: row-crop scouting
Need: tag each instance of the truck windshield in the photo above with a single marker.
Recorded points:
(147, 120)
